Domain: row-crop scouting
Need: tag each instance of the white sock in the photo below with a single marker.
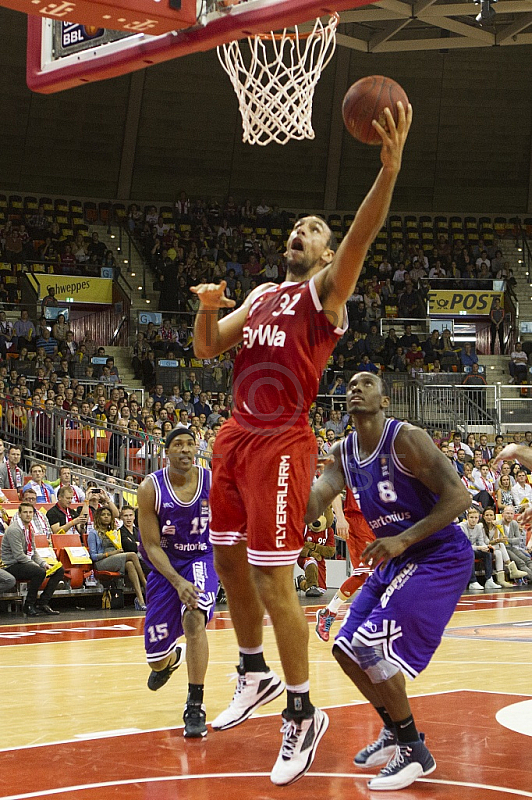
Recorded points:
(335, 603)
(301, 688)
(251, 651)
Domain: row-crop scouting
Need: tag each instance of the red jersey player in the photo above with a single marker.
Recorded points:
(264, 457)
(351, 526)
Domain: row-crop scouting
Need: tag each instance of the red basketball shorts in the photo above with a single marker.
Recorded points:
(359, 535)
(260, 490)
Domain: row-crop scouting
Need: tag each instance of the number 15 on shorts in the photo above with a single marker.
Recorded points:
(158, 632)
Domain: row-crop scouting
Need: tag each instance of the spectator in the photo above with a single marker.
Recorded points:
(480, 544)
(22, 560)
(43, 490)
(96, 248)
(48, 342)
(6, 334)
(338, 386)
(62, 518)
(366, 365)
(399, 363)
(468, 357)
(45, 429)
(518, 365)
(496, 326)
(408, 338)
(521, 490)
(11, 475)
(80, 250)
(107, 553)
(497, 542)
(24, 330)
(515, 539)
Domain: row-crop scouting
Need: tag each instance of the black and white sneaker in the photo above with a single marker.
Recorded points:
(378, 752)
(300, 740)
(194, 719)
(253, 689)
(158, 679)
(410, 762)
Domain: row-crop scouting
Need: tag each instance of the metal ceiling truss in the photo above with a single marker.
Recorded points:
(392, 25)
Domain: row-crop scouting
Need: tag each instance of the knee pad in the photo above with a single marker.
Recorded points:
(370, 659)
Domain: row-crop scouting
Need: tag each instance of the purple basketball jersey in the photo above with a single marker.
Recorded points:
(184, 526)
(404, 606)
(390, 497)
(185, 540)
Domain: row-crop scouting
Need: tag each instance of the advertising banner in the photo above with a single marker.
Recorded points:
(463, 302)
(76, 288)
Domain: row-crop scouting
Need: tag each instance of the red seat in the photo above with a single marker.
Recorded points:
(76, 442)
(11, 494)
(74, 572)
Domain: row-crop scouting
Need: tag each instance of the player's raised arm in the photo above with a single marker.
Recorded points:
(336, 283)
(516, 452)
(213, 336)
(418, 454)
(328, 486)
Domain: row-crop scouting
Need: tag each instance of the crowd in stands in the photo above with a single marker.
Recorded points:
(34, 239)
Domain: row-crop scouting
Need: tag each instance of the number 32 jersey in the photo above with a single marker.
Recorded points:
(184, 526)
(287, 339)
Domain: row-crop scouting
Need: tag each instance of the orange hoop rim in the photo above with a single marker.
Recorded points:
(278, 37)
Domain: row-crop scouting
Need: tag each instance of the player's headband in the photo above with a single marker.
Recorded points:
(179, 431)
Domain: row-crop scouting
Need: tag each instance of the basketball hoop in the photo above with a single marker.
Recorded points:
(275, 81)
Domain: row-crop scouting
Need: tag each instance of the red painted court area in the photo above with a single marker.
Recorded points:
(471, 748)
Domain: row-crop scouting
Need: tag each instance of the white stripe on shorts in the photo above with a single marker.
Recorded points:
(226, 537)
(271, 558)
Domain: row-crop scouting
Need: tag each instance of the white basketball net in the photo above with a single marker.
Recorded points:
(275, 83)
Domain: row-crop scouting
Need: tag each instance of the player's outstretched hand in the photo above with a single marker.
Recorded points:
(188, 594)
(508, 453)
(381, 551)
(525, 517)
(212, 295)
(394, 136)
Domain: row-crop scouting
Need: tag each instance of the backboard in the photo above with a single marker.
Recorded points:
(62, 54)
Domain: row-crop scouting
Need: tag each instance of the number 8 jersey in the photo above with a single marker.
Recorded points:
(184, 526)
(391, 498)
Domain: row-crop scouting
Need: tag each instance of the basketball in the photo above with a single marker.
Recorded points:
(365, 101)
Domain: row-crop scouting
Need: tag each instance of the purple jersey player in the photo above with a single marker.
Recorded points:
(181, 589)
(410, 495)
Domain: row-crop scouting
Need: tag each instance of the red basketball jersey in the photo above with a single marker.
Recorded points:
(287, 340)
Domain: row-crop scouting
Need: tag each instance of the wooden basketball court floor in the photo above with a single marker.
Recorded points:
(78, 721)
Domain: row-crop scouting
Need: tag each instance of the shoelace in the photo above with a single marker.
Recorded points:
(383, 738)
(290, 730)
(240, 683)
(329, 619)
(399, 758)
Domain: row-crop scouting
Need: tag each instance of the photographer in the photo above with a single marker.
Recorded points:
(62, 517)
(96, 498)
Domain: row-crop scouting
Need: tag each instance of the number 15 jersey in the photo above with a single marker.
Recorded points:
(184, 526)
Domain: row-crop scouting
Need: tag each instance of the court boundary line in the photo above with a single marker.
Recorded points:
(211, 776)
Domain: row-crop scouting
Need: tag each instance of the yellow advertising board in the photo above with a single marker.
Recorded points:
(462, 302)
(75, 288)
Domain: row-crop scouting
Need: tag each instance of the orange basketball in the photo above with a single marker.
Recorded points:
(365, 101)
(91, 30)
